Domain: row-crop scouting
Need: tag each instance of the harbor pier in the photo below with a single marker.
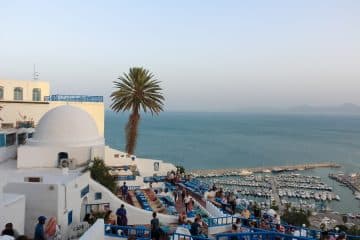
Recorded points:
(249, 171)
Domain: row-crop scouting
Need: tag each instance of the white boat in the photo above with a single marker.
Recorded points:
(245, 173)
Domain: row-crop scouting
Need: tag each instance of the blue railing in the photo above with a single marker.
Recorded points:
(139, 232)
(126, 178)
(306, 233)
(130, 188)
(258, 235)
(73, 98)
(154, 179)
(180, 236)
(220, 221)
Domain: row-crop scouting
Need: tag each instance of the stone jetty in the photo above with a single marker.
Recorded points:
(248, 171)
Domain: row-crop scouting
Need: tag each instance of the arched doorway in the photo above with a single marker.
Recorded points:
(62, 155)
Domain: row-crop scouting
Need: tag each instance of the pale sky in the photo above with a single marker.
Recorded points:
(210, 55)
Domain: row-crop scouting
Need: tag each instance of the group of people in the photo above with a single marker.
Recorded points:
(228, 199)
(186, 199)
(44, 230)
(47, 230)
(176, 177)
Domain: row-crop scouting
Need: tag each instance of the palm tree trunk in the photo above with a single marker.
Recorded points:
(131, 130)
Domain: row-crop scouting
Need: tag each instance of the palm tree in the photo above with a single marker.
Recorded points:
(135, 91)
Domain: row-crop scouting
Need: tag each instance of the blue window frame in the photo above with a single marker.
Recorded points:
(84, 191)
(70, 217)
(2, 140)
(98, 196)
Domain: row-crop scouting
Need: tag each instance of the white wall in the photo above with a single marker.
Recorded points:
(47, 156)
(69, 199)
(96, 232)
(51, 200)
(8, 153)
(135, 215)
(13, 211)
(41, 199)
(145, 166)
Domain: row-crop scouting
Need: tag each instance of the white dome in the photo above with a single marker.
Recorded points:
(66, 126)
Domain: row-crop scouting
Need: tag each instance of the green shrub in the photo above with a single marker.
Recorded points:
(100, 173)
(296, 217)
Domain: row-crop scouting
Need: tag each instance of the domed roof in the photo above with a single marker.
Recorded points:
(66, 126)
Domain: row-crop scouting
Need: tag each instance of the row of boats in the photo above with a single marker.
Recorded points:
(242, 183)
(304, 194)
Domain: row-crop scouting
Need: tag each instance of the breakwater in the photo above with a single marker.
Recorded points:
(249, 171)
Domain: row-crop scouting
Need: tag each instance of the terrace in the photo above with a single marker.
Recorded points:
(105, 231)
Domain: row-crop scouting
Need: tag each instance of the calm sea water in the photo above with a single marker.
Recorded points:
(225, 140)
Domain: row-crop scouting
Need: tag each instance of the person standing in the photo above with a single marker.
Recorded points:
(110, 218)
(175, 194)
(195, 228)
(187, 202)
(155, 227)
(183, 194)
(10, 231)
(39, 229)
(52, 230)
(124, 191)
(121, 216)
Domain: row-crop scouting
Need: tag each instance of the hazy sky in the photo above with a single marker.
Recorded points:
(210, 55)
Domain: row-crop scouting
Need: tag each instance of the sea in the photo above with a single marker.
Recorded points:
(240, 140)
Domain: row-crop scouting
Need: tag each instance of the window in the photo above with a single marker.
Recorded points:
(18, 93)
(7, 125)
(84, 191)
(36, 94)
(33, 179)
(30, 135)
(2, 140)
(25, 124)
(70, 217)
(1, 93)
(98, 196)
(10, 139)
(21, 138)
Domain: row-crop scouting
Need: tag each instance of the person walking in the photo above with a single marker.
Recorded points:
(121, 216)
(124, 191)
(155, 227)
(39, 229)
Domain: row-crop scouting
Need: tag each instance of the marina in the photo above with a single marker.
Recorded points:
(249, 171)
(298, 190)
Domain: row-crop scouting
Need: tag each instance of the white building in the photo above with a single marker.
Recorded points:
(47, 176)
(23, 103)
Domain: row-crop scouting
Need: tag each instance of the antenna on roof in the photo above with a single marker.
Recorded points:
(35, 74)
